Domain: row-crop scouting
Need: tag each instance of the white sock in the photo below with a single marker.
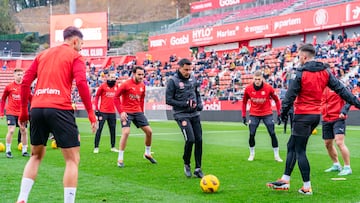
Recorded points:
(252, 150)
(285, 177)
(69, 194)
(148, 150)
(276, 151)
(307, 185)
(25, 188)
(346, 166)
(121, 155)
(24, 148)
(8, 147)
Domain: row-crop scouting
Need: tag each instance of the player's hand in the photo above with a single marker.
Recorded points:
(278, 120)
(342, 116)
(124, 116)
(23, 117)
(284, 117)
(98, 115)
(245, 121)
(192, 103)
(94, 127)
(199, 107)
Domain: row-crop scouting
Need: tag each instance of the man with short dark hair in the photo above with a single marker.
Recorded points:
(131, 109)
(306, 90)
(51, 109)
(183, 94)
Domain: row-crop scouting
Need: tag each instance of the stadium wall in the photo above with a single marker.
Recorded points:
(231, 116)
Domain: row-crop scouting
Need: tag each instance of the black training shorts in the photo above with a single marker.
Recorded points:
(61, 123)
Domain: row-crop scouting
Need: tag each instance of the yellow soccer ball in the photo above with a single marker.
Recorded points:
(53, 144)
(2, 147)
(314, 132)
(20, 146)
(209, 184)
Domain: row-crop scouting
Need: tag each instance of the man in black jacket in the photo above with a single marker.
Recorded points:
(182, 93)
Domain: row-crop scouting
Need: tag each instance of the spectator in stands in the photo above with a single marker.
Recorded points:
(340, 38)
(4, 67)
(345, 37)
(172, 58)
(293, 48)
(260, 94)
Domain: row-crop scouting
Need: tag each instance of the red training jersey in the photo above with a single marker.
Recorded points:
(331, 105)
(260, 100)
(106, 95)
(12, 94)
(132, 97)
(55, 70)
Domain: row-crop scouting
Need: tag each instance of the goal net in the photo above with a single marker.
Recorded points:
(154, 105)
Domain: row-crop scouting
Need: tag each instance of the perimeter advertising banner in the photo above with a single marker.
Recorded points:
(92, 25)
(294, 23)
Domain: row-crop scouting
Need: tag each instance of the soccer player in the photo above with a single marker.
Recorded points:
(51, 110)
(334, 111)
(182, 93)
(106, 93)
(12, 96)
(260, 94)
(131, 109)
(306, 90)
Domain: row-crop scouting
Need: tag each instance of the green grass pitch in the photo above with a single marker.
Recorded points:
(225, 153)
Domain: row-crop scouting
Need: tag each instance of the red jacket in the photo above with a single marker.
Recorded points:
(308, 87)
(332, 106)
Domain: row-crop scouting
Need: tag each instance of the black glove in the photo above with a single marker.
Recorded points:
(245, 121)
(284, 117)
(278, 120)
(192, 103)
(199, 107)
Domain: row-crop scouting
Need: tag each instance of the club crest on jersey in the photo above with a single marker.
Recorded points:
(262, 92)
(141, 89)
(184, 123)
(181, 85)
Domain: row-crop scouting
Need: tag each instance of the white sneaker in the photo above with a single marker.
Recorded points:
(114, 149)
(251, 157)
(96, 150)
(278, 159)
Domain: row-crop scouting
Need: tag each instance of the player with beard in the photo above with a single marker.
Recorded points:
(260, 94)
(183, 94)
(106, 93)
(131, 109)
(305, 94)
